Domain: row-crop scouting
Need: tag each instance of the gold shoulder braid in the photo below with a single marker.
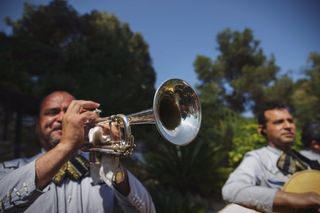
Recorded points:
(289, 163)
(75, 169)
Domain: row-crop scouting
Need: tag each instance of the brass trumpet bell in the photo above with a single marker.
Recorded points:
(177, 112)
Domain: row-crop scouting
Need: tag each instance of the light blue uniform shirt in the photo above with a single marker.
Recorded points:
(310, 154)
(256, 180)
(18, 193)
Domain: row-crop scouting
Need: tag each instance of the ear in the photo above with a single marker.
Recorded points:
(261, 129)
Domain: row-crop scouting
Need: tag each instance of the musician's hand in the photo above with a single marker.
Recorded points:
(110, 166)
(78, 115)
(308, 200)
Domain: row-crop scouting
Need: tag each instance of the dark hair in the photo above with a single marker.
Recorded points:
(310, 132)
(269, 106)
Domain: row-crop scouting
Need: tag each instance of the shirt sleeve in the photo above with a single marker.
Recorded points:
(17, 187)
(138, 200)
(243, 186)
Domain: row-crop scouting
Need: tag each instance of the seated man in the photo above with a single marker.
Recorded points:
(257, 181)
(311, 141)
(57, 180)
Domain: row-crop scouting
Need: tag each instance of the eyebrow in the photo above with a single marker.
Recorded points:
(282, 120)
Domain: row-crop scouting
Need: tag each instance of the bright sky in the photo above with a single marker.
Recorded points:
(179, 30)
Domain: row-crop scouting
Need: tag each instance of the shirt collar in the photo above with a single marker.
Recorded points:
(274, 150)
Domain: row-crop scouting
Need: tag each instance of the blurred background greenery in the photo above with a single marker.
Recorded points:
(95, 56)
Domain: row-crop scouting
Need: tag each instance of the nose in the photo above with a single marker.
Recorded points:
(288, 124)
(60, 115)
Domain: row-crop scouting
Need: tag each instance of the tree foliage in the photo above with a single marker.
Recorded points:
(242, 71)
(306, 96)
(94, 56)
(246, 139)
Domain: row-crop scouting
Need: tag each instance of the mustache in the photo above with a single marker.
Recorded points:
(288, 133)
(57, 127)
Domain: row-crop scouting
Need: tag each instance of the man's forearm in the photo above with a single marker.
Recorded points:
(49, 164)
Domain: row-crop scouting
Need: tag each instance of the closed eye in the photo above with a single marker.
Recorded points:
(52, 112)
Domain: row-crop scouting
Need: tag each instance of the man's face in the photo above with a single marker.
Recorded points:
(279, 129)
(52, 110)
(315, 146)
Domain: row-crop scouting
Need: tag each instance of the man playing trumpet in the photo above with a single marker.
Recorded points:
(58, 180)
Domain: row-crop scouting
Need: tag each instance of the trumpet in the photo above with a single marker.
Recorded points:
(176, 112)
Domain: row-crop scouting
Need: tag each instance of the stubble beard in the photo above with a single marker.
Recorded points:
(53, 141)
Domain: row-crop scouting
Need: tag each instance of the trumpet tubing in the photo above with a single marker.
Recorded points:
(176, 112)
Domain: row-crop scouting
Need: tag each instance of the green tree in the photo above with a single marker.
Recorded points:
(180, 178)
(98, 57)
(246, 139)
(280, 90)
(56, 24)
(94, 56)
(16, 98)
(242, 71)
(306, 94)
